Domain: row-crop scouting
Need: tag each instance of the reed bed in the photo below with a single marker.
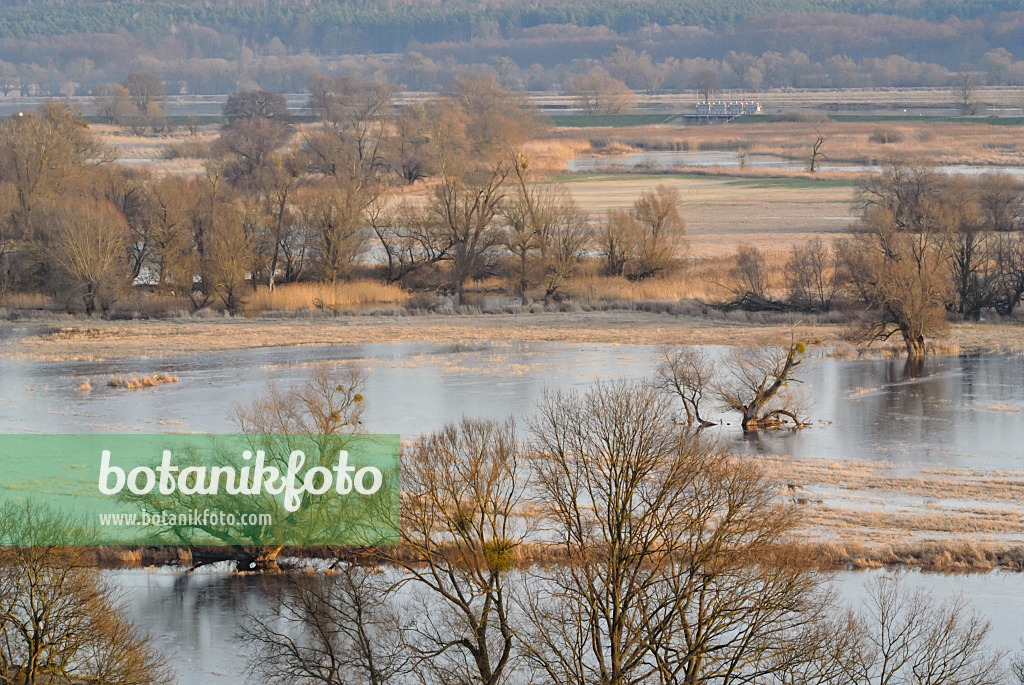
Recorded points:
(26, 301)
(946, 556)
(138, 382)
(333, 297)
(613, 288)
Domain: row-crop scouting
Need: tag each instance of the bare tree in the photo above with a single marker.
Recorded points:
(598, 93)
(964, 84)
(752, 277)
(1001, 202)
(336, 221)
(410, 240)
(670, 574)
(907, 636)
(757, 382)
(687, 372)
(466, 202)
(706, 83)
(59, 620)
(461, 532)
(812, 273)
(901, 278)
(546, 234)
(320, 416)
(50, 151)
(645, 240)
(230, 253)
(114, 103)
(816, 156)
(334, 628)
(84, 243)
(254, 105)
(1010, 269)
(147, 93)
(752, 272)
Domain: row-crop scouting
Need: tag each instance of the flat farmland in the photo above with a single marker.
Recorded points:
(722, 213)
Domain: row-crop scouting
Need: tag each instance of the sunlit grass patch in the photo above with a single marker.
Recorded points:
(338, 296)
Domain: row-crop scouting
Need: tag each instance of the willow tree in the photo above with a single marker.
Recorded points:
(758, 385)
(901, 277)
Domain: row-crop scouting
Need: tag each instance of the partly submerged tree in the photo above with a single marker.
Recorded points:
(687, 372)
(757, 383)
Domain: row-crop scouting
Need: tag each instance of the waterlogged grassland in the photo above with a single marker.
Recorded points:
(104, 340)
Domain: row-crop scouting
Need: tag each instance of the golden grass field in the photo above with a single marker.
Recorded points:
(339, 296)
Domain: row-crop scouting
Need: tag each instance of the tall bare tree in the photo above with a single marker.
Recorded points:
(461, 532)
(671, 572)
(546, 234)
(83, 243)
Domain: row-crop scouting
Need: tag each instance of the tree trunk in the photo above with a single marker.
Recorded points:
(262, 559)
(915, 345)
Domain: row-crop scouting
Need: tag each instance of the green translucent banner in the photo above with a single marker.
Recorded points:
(171, 489)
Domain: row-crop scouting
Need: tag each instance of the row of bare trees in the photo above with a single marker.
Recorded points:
(279, 204)
(928, 246)
(604, 543)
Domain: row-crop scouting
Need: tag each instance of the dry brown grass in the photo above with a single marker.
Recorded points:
(850, 142)
(945, 556)
(138, 382)
(85, 386)
(339, 296)
(551, 154)
(701, 280)
(26, 301)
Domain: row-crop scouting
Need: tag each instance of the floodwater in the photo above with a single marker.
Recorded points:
(195, 617)
(710, 158)
(963, 411)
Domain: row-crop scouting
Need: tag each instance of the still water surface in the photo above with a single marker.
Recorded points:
(194, 618)
(963, 411)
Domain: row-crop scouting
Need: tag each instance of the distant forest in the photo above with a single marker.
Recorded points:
(72, 47)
